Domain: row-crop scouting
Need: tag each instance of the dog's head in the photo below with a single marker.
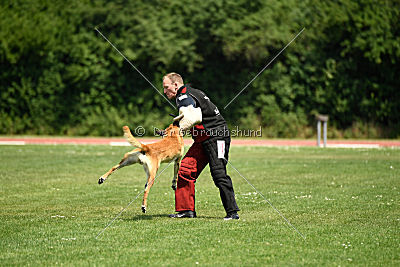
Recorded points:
(176, 122)
(172, 130)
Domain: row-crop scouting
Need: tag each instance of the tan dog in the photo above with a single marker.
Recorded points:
(170, 148)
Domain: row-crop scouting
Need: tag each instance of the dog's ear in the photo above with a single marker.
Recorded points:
(160, 132)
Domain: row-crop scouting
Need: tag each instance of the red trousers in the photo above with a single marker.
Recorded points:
(191, 166)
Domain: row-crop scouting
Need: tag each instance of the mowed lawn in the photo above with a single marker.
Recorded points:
(344, 201)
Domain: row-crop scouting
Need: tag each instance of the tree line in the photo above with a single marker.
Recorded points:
(59, 76)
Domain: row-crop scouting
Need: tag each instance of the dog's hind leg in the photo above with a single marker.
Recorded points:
(128, 159)
(151, 170)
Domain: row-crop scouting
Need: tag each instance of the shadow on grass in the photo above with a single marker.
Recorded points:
(145, 217)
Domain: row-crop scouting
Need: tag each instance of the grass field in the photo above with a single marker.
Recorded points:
(345, 201)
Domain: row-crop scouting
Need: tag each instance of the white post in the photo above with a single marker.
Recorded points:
(319, 133)
(325, 132)
(325, 119)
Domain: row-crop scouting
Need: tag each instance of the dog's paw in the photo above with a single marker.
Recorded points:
(143, 209)
(173, 186)
(101, 180)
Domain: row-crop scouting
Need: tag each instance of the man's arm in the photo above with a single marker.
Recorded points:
(189, 115)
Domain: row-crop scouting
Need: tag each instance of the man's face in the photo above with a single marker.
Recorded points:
(170, 88)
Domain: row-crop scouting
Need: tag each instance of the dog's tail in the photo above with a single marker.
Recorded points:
(128, 135)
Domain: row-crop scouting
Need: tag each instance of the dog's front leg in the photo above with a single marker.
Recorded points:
(151, 170)
(148, 185)
(176, 169)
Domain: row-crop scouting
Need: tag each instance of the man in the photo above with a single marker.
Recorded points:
(211, 146)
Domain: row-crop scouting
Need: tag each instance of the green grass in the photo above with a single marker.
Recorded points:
(345, 201)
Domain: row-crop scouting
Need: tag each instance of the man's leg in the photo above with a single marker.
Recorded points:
(190, 168)
(221, 179)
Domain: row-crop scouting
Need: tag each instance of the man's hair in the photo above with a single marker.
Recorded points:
(174, 77)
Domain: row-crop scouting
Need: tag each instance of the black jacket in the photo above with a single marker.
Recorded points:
(213, 122)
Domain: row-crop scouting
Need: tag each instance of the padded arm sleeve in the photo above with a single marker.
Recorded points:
(188, 117)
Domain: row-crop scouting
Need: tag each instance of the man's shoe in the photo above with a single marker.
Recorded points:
(231, 216)
(184, 214)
